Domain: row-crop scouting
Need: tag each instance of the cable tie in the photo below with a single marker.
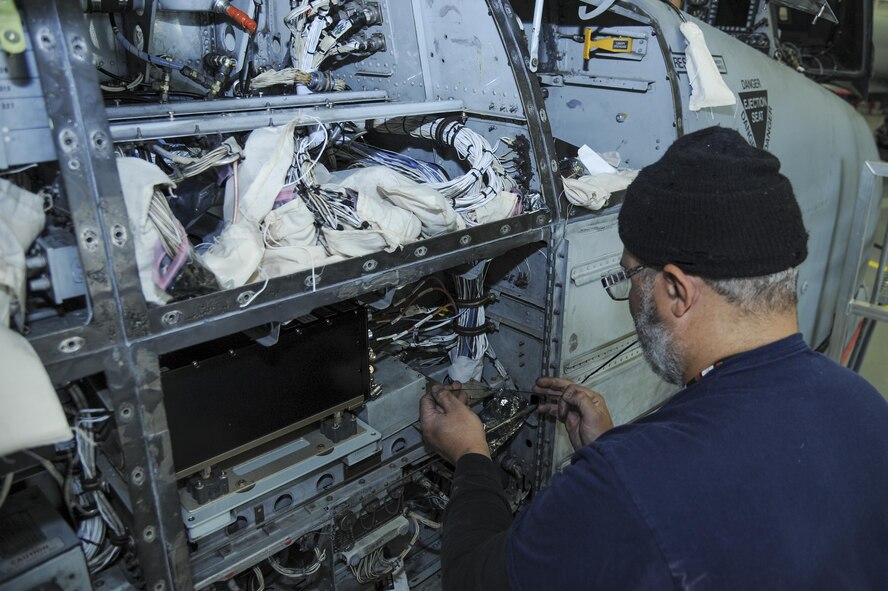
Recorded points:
(475, 331)
(442, 126)
(118, 540)
(86, 511)
(88, 541)
(485, 299)
(91, 484)
(454, 131)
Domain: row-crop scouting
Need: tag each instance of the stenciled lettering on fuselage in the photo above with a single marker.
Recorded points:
(680, 63)
(756, 113)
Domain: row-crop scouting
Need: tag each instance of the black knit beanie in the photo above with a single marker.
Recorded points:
(715, 206)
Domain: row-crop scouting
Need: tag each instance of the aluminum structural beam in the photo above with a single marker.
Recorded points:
(228, 105)
(169, 127)
(543, 144)
(88, 169)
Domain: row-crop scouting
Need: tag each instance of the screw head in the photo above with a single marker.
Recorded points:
(171, 318)
(11, 36)
(72, 344)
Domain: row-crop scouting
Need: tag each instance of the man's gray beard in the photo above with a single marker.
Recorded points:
(657, 344)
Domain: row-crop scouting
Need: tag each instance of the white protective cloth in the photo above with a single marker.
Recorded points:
(236, 255)
(350, 242)
(277, 262)
(499, 208)
(30, 411)
(434, 211)
(21, 221)
(291, 241)
(268, 155)
(593, 190)
(291, 224)
(138, 178)
(397, 226)
(239, 249)
(708, 89)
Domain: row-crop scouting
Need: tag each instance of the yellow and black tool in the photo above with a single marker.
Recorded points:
(12, 36)
(609, 44)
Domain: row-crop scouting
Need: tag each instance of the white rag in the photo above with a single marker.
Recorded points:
(21, 221)
(291, 224)
(434, 211)
(708, 89)
(235, 256)
(499, 208)
(351, 242)
(268, 155)
(277, 262)
(593, 190)
(30, 411)
(398, 226)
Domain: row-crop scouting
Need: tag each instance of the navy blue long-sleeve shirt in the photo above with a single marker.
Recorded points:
(769, 473)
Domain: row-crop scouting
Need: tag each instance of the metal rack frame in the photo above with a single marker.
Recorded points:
(866, 215)
(122, 337)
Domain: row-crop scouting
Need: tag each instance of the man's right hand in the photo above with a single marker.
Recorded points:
(449, 425)
(583, 411)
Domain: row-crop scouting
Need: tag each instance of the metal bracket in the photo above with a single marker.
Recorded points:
(266, 335)
(866, 215)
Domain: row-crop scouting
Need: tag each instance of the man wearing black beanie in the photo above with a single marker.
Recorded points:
(768, 470)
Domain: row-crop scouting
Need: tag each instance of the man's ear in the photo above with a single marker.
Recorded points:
(682, 290)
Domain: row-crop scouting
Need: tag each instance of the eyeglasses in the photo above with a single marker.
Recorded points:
(617, 284)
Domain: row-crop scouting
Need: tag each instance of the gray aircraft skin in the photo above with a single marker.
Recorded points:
(343, 494)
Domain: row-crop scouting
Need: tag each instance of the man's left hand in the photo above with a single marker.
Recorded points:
(449, 425)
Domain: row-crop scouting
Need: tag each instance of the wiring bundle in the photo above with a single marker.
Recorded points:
(487, 176)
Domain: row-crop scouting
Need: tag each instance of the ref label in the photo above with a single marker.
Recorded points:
(680, 63)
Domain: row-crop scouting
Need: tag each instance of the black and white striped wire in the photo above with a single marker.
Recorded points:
(361, 155)
(375, 565)
(333, 209)
(470, 286)
(486, 177)
(92, 530)
(299, 573)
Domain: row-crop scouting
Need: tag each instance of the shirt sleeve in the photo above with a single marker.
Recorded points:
(584, 532)
(476, 526)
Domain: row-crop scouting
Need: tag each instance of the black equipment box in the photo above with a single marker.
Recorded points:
(228, 396)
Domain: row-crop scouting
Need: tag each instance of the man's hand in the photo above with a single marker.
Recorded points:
(583, 411)
(449, 425)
